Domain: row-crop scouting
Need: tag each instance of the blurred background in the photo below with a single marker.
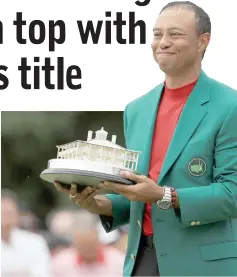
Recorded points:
(43, 233)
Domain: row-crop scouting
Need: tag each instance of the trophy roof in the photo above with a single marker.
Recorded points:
(100, 140)
(105, 143)
(101, 131)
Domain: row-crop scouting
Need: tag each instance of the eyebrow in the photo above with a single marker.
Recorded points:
(171, 28)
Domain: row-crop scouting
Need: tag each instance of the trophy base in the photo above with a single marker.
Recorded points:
(82, 173)
(82, 178)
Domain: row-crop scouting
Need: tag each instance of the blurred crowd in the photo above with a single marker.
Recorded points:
(73, 243)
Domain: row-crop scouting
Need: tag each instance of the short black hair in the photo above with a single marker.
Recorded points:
(203, 21)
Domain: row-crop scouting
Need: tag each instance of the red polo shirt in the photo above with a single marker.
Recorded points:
(100, 257)
(170, 108)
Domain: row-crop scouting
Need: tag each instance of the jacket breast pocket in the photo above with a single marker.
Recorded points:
(196, 162)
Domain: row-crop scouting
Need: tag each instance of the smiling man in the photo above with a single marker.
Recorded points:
(183, 210)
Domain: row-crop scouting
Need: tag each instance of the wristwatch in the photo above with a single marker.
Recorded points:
(166, 201)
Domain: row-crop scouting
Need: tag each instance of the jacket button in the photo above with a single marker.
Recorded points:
(193, 223)
(198, 223)
(139, 223)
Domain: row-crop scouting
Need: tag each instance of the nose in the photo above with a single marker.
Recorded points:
(165, 42)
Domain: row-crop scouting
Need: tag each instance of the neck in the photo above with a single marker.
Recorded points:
(182, 79)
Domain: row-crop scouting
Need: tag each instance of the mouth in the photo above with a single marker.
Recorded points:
(165, 54)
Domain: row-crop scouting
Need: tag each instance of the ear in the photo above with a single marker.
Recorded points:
(204, 40)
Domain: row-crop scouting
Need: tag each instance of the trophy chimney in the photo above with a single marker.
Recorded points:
(89, 136)
(114, 138)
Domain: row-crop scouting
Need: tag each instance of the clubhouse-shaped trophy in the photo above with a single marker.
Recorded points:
(87, 163)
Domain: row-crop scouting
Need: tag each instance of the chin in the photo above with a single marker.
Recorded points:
(165, 68)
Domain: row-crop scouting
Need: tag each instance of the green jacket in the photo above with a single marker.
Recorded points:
(202, 240)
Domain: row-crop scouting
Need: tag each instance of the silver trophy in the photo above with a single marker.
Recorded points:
(87, 163)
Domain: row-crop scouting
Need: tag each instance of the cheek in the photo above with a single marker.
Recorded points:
(186, 48)
(154, 45)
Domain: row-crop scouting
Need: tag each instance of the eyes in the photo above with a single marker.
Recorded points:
(172, 35)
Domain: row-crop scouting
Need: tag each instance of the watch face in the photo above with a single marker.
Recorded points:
(164, 205)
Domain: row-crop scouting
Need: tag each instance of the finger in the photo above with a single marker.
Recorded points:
(60, 188)
(73, 190)
(86, 192)
(89, 197)
(116, 187)
(132, 176)
(84, 202)
(79, 197)
(94, 193)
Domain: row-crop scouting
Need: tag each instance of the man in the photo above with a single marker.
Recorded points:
(23, 253)
(182, 211)
(88, 256)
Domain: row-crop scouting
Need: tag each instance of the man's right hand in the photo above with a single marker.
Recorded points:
(88, 199)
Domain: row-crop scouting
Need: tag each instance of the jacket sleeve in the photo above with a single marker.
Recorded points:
(217, 201)
(120, 204)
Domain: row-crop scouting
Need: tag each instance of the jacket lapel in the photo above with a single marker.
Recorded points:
(148, 123)
(192, 115)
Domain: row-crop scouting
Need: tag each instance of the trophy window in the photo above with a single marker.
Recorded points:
(94, 153)
(119, 157)
(131, 160)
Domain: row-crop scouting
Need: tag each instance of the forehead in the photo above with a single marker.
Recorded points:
(86, 233)
(176, 18)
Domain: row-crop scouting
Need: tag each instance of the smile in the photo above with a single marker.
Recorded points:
(165, 54)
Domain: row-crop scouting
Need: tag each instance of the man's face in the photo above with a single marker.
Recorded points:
(9, 214)
(87, 244)
(176, 43)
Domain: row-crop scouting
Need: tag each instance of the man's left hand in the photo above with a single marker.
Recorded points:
(145, 189)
